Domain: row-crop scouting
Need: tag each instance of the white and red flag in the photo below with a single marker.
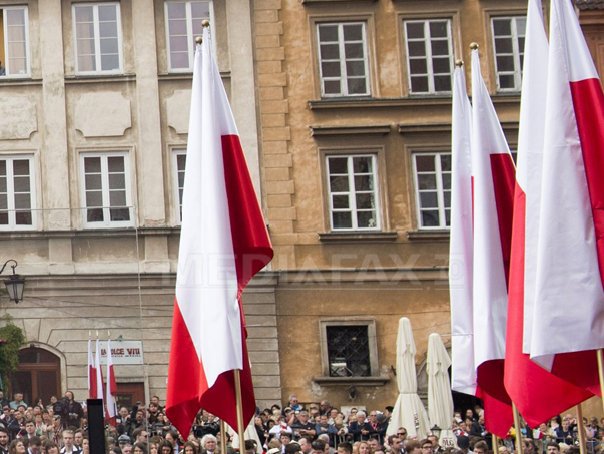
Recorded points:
(538, 394)
(223, 243)
(92, 389)
(98, 372)
(493, 192)
(463, 372)
(568, 314)
(111, 388)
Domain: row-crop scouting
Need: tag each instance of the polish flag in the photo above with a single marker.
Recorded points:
(568, 313)
(493, 191)
(223, 244)
(99, 372)
(111, 388)
(463, 373)
(538, 394)
(92, 389)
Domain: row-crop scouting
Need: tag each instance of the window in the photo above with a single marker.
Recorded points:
(106, 190)
(429, 55)
(343, 59)
(353, 195)
(180, 157)
(508, 37)
(183, 24)
(17, 196)
(97, 38)
(433, 189)
(14, 41)
(349, 348)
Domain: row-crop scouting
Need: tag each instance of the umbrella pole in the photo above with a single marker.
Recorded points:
(519, 445)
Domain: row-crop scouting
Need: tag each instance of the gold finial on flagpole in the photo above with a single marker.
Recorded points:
(474, 46)
(205, 23)
(459, 62)
(198, 39)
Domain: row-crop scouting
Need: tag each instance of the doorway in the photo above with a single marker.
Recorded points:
(38, 375)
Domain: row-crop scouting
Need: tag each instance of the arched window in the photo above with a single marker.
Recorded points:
(38, 375)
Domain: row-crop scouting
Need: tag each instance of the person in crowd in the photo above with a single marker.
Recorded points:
(426, 446)
(359, 428)
(480, 447)
(4, 440)
(305, 445)
(209, 444)
(293, 403)
(552, 448)
(17, 401)
(413, 447)
(17, 447)
(68, 443)
(188, 448)
(85, 446)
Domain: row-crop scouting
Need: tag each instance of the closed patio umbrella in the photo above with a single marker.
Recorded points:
(409, 411)
(440, 399)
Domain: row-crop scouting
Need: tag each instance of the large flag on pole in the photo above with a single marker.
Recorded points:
(111, 388)
(538, 394)
(460, 246)
(92, 390)
(568, 315)
(223, 243)
(493, 191)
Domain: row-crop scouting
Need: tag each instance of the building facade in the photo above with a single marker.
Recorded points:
(344, 111)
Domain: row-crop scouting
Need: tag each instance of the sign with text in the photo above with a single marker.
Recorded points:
(123, 352)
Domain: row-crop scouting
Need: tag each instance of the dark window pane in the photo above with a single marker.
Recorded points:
(354, 50)
(505, 63)
(419, 84)
(428, 199)
(332, 87)
(445, 162)
(426, 181)
(338, 165)
(418, 66)
(119, 214)
(363, 182)
(330, 51)
(438, 29)
(328, 33)
(416, 48)
(3, 218)
(331, 69)
(365, 200)
(115, 163)
(440, 47)
(502, 27)
(353, 32)
(355, 68)
(23, 218)
(348, 351)
(340, 201)
(342, 219)
(441, 65)
(94, 214)
(338, 183)
(361, 165)
(442, 83)
(366, 219)
(21, 167)
(357, 86)
(415, 30)
(424, 163)
(430, 218)
(92, 165)
(506, 81)
(503, 46)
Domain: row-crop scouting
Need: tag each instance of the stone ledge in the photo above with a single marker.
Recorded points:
(428, 235)
(356, 237)
(326, 130)
(348, 381)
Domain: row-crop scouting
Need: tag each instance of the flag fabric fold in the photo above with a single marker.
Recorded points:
(493, 190)
(98, 371)
(538, 394)
(92, 390)
(111, 388)
(568, 313)
(463, 372)
(223, 243)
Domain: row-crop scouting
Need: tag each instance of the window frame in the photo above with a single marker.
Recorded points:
(107, 222)
(97, 43)
(372, 339)
(27, 73)
(379, 214)
(191, 38)
(516, 51)
(175, 153)
(12, 225)
(430, 71)
(341, 44)
(439, 189)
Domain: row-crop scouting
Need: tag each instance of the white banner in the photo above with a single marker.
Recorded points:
(123, 352)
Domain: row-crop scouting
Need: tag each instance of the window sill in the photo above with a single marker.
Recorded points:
(356, 237)
(322, 130)
(347, 381)
(429, 235)
(187, 75)
(499, 99)
(19, 80)
(100, 77)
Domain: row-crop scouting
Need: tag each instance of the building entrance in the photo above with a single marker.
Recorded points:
(38, 375)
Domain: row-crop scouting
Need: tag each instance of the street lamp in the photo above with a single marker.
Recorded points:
(436, 431)
(14, 283)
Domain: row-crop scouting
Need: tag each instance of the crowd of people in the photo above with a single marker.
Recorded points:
(61, 427)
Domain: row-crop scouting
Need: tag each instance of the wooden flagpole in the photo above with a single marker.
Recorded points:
(223, 437)
(581, 430)
(240, 428)
(600, 356)
(519, 445)
(495, 442)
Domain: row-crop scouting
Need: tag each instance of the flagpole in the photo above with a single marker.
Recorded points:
(495, 442)
(581, 430)
(223, 438)
(240, 428)
(600, 356)
(519, 445)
